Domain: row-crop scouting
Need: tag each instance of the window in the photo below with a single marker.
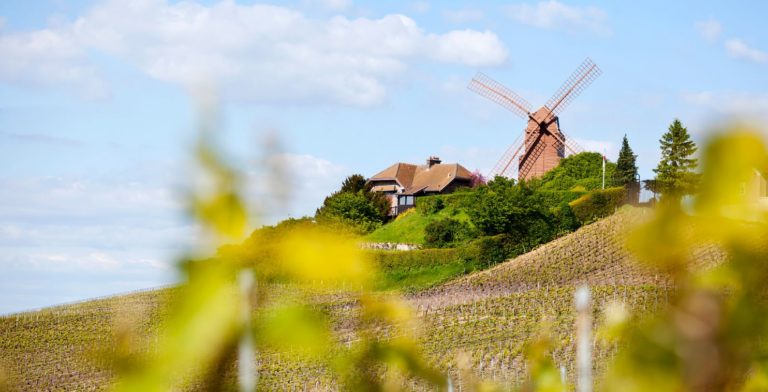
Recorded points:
(409, 200)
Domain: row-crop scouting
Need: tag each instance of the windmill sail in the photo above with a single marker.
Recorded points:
(544, 144)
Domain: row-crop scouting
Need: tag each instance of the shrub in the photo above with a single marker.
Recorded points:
(598, 204)
(350, 210)
(430, 204)
(459, 199)
(556, 198)
(567, 219)
(584, 169)
(445, 232)
(487, 251)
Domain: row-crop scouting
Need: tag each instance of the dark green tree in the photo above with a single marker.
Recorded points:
(626, 165)
(506, 207)
(351, 210)
(626, 172)
(353, 184)
(354, 205)
(675, 174)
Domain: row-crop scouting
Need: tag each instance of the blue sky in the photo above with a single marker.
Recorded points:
(98, 106)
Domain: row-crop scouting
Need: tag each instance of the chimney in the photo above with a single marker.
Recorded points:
(433, 160)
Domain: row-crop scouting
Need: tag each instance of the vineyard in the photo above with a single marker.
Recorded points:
(483, 319)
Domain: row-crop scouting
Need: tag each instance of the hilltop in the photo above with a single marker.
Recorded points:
(487, 315)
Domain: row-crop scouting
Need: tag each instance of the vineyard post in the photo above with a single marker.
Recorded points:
(246, 371)
(584, 340)
(562, 376)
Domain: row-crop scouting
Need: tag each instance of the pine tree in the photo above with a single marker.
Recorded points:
(626, 166)
(675, 174)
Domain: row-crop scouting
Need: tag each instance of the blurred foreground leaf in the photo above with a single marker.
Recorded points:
(712, 335)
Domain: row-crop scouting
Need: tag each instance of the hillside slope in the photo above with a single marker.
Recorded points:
(593, 255)
(486, 316)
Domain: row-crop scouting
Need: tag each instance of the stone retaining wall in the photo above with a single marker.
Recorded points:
(389, 246)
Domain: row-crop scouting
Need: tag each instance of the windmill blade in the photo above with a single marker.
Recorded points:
(584, 75)
(569, 143)
(505, 164)
(534, 151)
(496, 92)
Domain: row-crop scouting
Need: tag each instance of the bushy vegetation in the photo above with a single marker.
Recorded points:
(410, 227)
(581, 171)
(354, 207)
(598, 204)
(430, 204)
(504, 218)
(446, 232)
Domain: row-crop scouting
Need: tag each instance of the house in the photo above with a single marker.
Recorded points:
(756, 189)
(404, 182)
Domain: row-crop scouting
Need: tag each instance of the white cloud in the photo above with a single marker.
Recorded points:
(332, 5)
(700, 98)
(740, 50)
(257, 52)
(602, 146)
(41, 138)
(454, 84)
(302, 184)
(709, 29)
(740, 104)
(463, 15)
(419, 7)
(468, 47)
(553, 14)
(473, 157)
(45, 58)
(107, 233)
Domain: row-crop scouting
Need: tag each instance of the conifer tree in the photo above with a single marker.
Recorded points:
(626, 166)
(675, 174)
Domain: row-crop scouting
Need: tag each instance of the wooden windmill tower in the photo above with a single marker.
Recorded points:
(542, 145)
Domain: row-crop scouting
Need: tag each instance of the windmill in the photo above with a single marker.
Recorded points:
(542, 145)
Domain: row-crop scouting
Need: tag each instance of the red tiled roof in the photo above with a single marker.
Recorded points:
(422, 177)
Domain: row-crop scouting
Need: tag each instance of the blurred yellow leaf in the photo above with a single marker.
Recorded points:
(294, 328)
(321, 258)
(224, 213)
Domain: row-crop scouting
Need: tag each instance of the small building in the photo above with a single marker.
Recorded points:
(756, 189)
(404, 182)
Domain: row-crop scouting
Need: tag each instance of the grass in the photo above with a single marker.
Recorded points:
(409, 227)
(488, 316)
(415, 279)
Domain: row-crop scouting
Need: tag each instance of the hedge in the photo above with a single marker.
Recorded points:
(459, 199)
(598, 204)
(428, 205)
(555, 198)
(414, 259)
(446, 232)
(480, 253)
